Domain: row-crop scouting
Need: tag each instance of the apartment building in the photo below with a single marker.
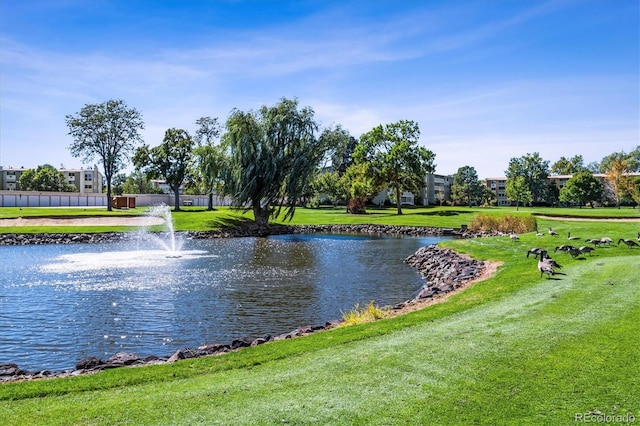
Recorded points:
(86, 181)
(435, 187)
(498, 184)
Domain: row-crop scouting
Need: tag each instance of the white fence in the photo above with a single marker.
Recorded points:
(75, 199)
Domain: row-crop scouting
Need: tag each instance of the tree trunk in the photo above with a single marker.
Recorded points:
(399, 201)
(109, 200)
(176, 199)
(210, 203)
(260, 214)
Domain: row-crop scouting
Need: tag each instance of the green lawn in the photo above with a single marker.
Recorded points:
(515, 349)
(198, 218)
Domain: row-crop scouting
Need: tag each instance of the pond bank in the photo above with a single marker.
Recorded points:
(247, 230)
(444, 270)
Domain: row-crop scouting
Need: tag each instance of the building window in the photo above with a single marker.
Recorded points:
(88, 176)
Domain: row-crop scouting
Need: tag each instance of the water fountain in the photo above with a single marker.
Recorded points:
(172, 245)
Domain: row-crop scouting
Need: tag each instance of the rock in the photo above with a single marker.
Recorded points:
(181, 354)
(262, 340)
(120, 359)
(212, 349)
(9, 369)
(443, 269)
(89, 363)
(243, 342)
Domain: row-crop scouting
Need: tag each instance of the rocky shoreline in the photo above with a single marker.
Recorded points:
(443, 270)
(248, 230)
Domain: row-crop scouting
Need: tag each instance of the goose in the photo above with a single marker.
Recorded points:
(574, 252)
(553, 233)
(629, 243)
(564, 247)
(594, 241)
(514, 236)
(544, 255)
(606, 240)
(586, 249)
(638, 238)
(545, 268)
(535, 251)
(569, 237)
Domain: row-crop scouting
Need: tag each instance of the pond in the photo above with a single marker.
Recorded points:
(62, 303)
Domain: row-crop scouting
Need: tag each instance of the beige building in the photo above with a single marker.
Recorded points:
(498, 185)
(86, 181)
(435, 186)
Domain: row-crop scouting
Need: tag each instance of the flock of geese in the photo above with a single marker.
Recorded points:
(548, 266)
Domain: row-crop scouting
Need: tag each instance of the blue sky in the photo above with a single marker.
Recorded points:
(485, 80)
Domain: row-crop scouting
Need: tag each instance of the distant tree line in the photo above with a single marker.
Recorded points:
(276, 158)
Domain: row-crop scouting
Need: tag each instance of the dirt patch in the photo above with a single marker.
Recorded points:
(83, 221)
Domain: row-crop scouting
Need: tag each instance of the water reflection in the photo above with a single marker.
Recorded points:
(59, 304)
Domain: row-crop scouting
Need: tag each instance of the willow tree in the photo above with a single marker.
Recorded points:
(271, 154)
(110, 131)
(395, 157)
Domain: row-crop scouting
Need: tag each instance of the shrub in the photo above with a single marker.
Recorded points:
(369, 313)
(507, 223)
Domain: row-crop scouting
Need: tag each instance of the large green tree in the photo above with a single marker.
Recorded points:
(534, 170)
(396, 158)
(339, 144)
(326, 181)
(209, 158)
(171, 160)
(110, 131)
(517, 190)
(568, 166)
(466, 185)
(360, 185)
(331, 186)
(271, 155)
(581, 189)
(45, 178)
(632, 160)
(633, 189)
(138, 183)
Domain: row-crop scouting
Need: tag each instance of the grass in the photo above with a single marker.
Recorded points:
(514, 349)
(199, 219)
